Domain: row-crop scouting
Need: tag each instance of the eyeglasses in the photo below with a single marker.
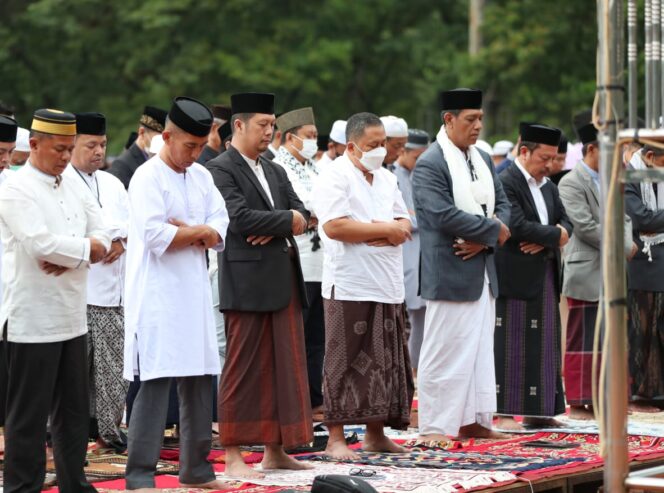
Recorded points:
(365, 473)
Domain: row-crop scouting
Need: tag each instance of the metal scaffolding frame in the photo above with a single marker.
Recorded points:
(609, 119)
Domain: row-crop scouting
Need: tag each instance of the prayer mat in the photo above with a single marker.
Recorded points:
(651, 427)
(113, 466)
(582, 457)
(455, 460)
(390, 479)
(416, 445)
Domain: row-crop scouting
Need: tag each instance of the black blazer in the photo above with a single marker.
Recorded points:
(268, 154)
(256, 278)
(127, 163)
(521, 275)
(206, 155)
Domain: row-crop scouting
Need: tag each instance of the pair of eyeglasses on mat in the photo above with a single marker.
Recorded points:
(364, 473)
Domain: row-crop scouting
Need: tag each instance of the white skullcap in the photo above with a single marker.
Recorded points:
(484, 145)
(502, 148)
(22, 140)
(156, 144)
(394, 126)
(338, 132)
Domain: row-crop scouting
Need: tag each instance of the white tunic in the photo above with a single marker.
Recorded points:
(357, 271)
(106, 281)
(44, 218)
(169, 324)
(3, 177)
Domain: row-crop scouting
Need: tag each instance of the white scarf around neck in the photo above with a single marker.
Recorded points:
(469, 195)
(652, 202)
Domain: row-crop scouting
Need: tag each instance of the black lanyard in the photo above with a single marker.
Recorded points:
(88, 185)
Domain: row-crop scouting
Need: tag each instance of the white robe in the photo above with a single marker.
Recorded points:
(456, 374)
(106, 281)
(6, 173)
(169, 324)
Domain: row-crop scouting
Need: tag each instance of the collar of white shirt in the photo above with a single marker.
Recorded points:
(529, 177)
(45, 177)
(250, 162)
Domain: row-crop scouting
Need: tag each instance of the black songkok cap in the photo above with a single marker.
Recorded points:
(221, 111)
(541, 134)
(154, 118)
(8, 129)
(461, 99)
(252, 102)
(585, 130)
(54, 122)
(131, 139)
(562, 145)
(322, 141)
(191, 115)
(225, 131)
(417, 139)
(523, 126)
(90, 124)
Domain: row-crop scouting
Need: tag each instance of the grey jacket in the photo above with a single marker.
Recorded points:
(581, 272)
(443, 275)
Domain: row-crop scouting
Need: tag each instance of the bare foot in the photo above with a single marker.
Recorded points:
(242, 470)
(581, 413)
(642, 407)
(434, 437)
(476, 430)
(210, 485)
(338, 450)
(278, 459)
(508, 423)
(382, 444)
(544, 422)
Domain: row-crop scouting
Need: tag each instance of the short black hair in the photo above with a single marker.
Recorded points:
(243, 117)
(357, 124)
(655, 150)
(585, 148)
(39, 135)
(293, 131)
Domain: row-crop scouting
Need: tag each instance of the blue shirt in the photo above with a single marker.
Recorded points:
(593, 174)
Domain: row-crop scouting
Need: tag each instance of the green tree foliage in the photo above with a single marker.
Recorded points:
(339, 56)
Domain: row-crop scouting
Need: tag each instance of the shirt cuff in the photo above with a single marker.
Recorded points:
(85, 260)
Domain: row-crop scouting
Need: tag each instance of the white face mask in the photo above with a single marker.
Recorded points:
(309, 147)
(373, 159)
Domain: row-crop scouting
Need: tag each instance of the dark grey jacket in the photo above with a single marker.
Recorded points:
(644, 275)
(443, 275)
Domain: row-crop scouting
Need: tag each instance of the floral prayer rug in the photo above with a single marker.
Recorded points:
(389, 479)
(456, 461)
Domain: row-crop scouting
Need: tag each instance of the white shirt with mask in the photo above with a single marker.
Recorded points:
(536, 192)
(46, 218)
(357, 271)
(105, 281)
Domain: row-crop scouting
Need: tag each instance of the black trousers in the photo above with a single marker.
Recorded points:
(314, 339)
(47, 379)
(3, 382)
(173, 415)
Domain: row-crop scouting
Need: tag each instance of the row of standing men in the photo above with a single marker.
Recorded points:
(477, 234)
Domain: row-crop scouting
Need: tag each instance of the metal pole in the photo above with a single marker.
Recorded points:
(632, 58)
(648, 57)
(475, 26)
(610, 81)
(655, 11)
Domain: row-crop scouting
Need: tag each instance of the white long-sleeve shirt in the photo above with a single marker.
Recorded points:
(169, 324)
(105, 281)
(45, 218)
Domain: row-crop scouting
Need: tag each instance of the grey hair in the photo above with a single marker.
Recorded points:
(358, 123)
(451, 112)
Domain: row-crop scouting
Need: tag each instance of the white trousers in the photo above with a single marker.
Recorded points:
(456, 375)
